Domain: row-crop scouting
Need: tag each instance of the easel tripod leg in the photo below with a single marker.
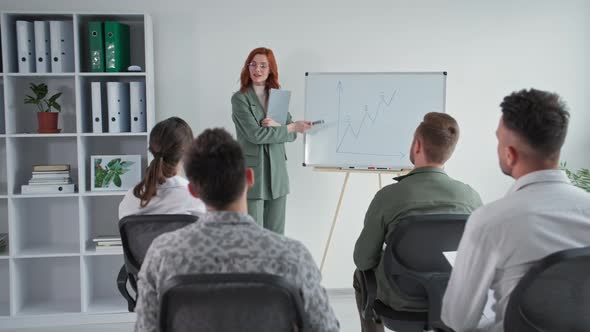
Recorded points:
(334, 221)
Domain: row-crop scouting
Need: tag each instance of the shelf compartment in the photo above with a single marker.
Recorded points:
(3, 167)
(45, 227)
(110, 145)
(114, 134)
(136, 25)
(9, 27)
(34, 75)
(21, 118)
(100, 216)
(114, 74)
(86, 97)
(24, 152)
(47, 285)
(4, 253)
(101, 276)
(4, 288)
(2, 117)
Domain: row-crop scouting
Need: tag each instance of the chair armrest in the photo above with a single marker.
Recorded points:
(369, 285)
(122, 286)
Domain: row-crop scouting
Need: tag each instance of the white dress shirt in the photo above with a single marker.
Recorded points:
(541, 214)
(172, 197)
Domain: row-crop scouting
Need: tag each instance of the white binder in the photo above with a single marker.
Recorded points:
(42, 48)
(25, 46)
(118, 104)
(137, 106)
(62, 46)
(99, 108)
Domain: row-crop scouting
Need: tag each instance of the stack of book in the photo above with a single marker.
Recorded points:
(107, 242)
(49, 179)
(3, 241)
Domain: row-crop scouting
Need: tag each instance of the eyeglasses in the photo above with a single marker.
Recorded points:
(262, 65)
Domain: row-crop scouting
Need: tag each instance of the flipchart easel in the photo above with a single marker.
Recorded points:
(347, 172)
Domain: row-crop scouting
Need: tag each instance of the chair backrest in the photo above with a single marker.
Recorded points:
(415, 251)
(230, 302)
(554, 295)
(138, 232)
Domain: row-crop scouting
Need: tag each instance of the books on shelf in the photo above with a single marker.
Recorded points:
(49, 179)
(107, 242)
(50, 175)
(51, 168)
(3, 241)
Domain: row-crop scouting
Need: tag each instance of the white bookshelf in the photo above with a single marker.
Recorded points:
(100, 296)
(51, 273)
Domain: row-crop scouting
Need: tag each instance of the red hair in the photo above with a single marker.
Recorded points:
(272, 82)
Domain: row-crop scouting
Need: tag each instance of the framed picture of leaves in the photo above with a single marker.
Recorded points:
(115, 172)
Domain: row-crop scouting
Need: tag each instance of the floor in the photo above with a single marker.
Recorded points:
(342, 301)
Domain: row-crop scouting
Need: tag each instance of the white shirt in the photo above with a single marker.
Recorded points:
(541, 214)
(261, 94)
(172, 197)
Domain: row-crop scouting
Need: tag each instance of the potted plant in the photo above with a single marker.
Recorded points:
(579, 178)
(47, 120)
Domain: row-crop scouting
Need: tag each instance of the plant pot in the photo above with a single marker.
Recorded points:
(47, 122)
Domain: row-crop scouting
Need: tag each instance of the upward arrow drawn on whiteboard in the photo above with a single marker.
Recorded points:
(366, 115)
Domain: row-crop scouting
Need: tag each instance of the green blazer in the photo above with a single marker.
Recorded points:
(263, 147)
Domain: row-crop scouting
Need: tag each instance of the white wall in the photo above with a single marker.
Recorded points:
(488, 48)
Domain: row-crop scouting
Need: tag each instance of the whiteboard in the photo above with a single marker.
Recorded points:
(369, 119)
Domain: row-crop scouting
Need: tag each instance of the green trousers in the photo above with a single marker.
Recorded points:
(269, 213)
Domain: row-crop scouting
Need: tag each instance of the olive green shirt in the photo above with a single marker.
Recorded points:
(425, 190)
(263, 147)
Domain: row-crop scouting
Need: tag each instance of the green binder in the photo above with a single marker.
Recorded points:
(116, 43)
(96, 44)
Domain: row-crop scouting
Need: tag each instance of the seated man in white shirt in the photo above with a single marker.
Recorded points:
(542, 213)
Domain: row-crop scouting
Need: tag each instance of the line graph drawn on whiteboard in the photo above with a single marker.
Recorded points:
(354, 136)
(367, 119)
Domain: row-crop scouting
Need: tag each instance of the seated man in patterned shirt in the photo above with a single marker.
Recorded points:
(216, 170)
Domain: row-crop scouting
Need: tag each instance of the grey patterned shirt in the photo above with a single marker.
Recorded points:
(226, 242)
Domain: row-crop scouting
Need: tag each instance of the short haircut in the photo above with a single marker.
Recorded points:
(439, 133)
(540, 118)
(215, 165)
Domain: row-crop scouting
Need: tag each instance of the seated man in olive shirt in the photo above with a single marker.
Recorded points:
(425, 190)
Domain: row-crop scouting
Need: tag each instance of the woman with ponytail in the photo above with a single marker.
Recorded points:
(163, 190)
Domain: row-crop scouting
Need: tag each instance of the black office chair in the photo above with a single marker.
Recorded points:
(137, 234)
(414, 263)
(554, 295)
(230, 302)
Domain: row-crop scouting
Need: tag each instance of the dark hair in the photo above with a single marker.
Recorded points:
(168, 141)
(539, 117)
(439, 133)
(214, 164)
(272, 82)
